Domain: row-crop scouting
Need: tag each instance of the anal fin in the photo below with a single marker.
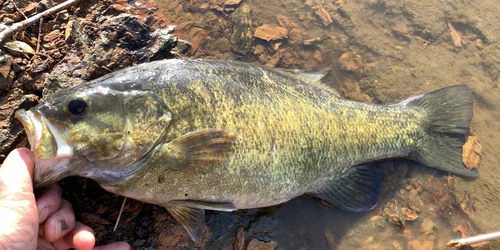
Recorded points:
(358, 190)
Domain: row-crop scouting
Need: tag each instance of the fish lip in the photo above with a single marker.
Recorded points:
(50, 167)
(29, 121)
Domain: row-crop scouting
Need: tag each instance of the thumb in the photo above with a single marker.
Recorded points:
(16, 172)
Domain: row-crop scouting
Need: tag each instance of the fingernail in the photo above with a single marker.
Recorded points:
(57, 230)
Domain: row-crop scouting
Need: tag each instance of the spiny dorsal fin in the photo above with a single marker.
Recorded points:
(358, 190)
(199, 150)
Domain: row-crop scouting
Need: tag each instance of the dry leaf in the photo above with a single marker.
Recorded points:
(471, 152)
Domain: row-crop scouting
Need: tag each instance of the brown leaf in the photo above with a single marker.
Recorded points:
(239, 240)
(270, 32)
(471, 152)
(457, 39)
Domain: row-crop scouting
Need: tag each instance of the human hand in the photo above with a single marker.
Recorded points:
(47, 222)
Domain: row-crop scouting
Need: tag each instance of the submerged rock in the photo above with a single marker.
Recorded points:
(241, 40)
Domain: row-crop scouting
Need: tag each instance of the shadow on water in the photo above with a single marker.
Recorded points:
(303, 224)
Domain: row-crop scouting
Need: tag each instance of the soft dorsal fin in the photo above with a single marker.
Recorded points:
(358, 190)
(191, 214)
(313, 77)
(199, 150)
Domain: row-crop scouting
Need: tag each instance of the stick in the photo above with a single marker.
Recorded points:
(120, 213)
(15, 6)
(39, 35)
(472, 240)
(23, 24)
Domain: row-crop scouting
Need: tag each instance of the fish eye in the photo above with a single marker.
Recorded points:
(77, 106)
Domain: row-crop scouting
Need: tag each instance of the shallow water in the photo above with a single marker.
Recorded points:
(406, 48)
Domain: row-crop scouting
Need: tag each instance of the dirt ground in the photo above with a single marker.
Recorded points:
(379, 51)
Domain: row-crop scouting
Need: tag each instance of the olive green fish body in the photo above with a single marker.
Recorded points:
(292, 137)
(192, 135)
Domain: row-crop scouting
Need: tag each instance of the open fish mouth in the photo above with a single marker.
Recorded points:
(48, 142)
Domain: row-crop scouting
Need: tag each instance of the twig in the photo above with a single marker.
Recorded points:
(23, 24)
(15, 6)
(472, 240)
(120, 213)
(39, 35)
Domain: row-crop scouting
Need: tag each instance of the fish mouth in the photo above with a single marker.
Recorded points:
(49, 143)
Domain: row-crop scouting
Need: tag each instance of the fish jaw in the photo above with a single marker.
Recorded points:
(50, 145)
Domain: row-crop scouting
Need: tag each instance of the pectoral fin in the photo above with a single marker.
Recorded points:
(198, 151)
(191, 214)
(358, 190)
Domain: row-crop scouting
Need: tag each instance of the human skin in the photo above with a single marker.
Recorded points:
(42, 221)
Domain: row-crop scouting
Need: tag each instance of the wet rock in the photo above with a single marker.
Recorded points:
(43, 6)
(295, 36)
(55, 34)
(5, 65)
(270, 32)
(352, 91)
(351, 61)
(241, 40)
(427, 244)
(401, 30)
(12, 129)
(124, 41)
(259, 49)
(255, 244)
(467, 206)
(427, 226)
(318, 56)
(275, 59)
(397, 245)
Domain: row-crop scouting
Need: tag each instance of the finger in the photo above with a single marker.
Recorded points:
(16, 173)
(18, 212)
(60, 223)
(48, 202)
(43, 244)
(81, 238)
(114, 246)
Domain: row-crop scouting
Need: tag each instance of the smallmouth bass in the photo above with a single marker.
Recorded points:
(192, 135)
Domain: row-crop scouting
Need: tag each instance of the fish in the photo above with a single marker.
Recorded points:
(195, 135)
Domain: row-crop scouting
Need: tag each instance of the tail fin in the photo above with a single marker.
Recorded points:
(449, 112)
